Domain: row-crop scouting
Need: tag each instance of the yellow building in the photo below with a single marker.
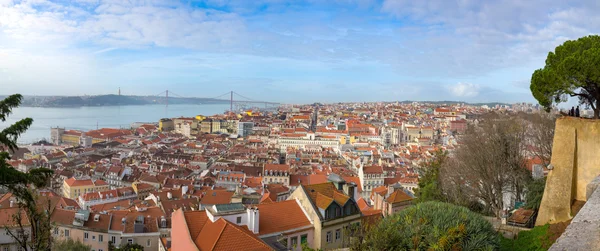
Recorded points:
(200, 117)
(347, 140)
(72, 187)
(166, 125)
(70, 139)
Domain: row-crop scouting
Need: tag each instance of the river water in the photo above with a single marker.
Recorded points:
(90, 118)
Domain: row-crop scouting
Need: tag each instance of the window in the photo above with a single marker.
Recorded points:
(5, 248)
(93, 237)
(66, 233)
(148, 242)
(238, 220)
(86, 235)
(294, 241)
(338, 234)
(329, 237)
(100, 238)
(113, 240)
(303, 238)
(55, 231)
(129, 241)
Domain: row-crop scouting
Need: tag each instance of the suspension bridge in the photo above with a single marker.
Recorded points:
(236, 101)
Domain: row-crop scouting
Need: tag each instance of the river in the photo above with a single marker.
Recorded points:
(90, 118)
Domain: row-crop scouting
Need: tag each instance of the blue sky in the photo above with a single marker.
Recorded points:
(286, 51)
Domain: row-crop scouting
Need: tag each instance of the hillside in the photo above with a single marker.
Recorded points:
(110, 100)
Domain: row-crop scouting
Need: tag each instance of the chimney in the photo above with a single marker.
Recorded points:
(163, 222)
(253, 219)
(184, 189)
(169, 195)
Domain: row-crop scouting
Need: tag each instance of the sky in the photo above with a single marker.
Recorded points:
(286, 51)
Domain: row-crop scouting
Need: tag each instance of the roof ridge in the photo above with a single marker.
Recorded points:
(220, 233)
(238, 228)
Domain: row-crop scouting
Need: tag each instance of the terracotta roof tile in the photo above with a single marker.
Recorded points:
(399, 196)
(233, 237)
(381, 190)
(216, 197)
(72, 182)
(281, 216)
(220, 235)
(356, 181)
(61, 216)
(340, 198)
(277, 167)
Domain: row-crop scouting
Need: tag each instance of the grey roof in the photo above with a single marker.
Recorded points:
(335, 178)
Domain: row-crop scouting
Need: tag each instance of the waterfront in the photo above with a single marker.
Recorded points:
(88, 118)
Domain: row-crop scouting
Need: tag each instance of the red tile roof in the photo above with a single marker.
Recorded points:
(373, 169)
(277, 167)
(216, 197)
(72, 182)
(398, 196)
(382, 190)
(221, 234)
(356, 181)
(281, 216)
(322, 195)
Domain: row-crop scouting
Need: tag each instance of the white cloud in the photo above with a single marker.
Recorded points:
(448, 41)
(464, 90)
(105, 50)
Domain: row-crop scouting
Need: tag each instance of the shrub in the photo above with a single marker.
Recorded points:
(432, 226)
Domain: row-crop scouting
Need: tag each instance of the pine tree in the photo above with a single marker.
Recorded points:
(20, 185)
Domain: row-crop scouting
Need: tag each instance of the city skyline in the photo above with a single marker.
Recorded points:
(281, 51)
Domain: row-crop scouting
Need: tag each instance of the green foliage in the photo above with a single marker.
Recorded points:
(536, 239)
(18, 183)
(305, 247)
(130, 247)
(429, 183)
(432, 226)
(573, 69)
(70, 245)
(535, 192)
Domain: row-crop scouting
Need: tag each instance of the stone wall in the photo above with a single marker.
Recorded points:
(584, 231)
(576, 162)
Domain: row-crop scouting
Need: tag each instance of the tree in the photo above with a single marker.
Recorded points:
(540, 134)
(432, 226)
(487, 165)
(129, 247)
(429, 183)
(70, 245)
(535, 192)
(572, 70)
(33, 233)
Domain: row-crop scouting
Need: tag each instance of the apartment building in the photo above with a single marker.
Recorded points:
(276, 173)
(332, 208)
(72, 188)
(141, 226)
(370, 178)
(391, 199)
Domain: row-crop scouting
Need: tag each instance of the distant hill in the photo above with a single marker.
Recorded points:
(448, 102)
(110, 100)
